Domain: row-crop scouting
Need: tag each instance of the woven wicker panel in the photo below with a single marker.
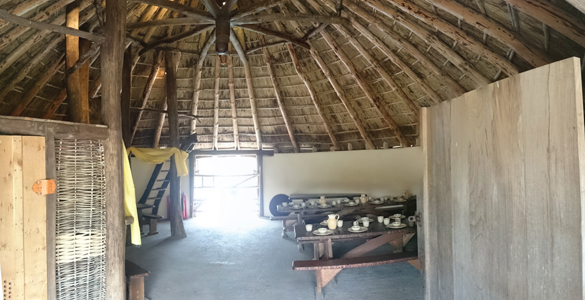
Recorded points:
(81, 220)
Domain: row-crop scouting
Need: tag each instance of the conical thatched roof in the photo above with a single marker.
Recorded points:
(355, 72)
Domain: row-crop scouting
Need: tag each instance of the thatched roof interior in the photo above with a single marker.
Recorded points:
(429, 52)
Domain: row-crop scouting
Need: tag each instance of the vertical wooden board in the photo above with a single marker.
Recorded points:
(460, 197)
(510, 221)
(422, 202)
(51, 203)
(565, 192)
(34, 215)
(7, 246)
(18, 222)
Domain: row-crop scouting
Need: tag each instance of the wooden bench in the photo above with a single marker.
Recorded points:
(324, 267)
(135, 281)
(152, 222)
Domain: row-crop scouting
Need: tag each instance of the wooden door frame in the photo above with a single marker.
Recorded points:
(52, 130)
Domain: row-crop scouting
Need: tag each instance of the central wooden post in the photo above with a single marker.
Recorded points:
(112, 57)
(78, 106)
(176, 218)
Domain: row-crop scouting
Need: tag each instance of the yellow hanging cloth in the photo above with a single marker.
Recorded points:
(158, 156)
(130, 201)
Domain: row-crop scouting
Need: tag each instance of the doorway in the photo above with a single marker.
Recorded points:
(226, 185)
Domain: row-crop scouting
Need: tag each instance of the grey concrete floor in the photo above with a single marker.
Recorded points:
(234, 257)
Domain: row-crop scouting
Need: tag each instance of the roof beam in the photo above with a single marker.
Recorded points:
(366, 89)
(278, 95)
(341, 94)
(244, 59)
(230, 64)
(432, 40)
(157, 63)
(277, 34)
(212, 6)
(51, 109)
(460, 36)
(402, 43)
(291, 17)
(497, 31)
(216, 103)
(167, 22)
(197, 80)
(175, 38)
(253, 8)
(184, 9)
(313, 95)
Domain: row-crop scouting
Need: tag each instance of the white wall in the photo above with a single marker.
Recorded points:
(375, 172)
(141, 173)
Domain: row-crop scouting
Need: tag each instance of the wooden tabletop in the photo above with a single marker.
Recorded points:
(313, 209)
(375, 229)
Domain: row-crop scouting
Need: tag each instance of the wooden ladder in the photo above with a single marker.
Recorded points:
(160, 177)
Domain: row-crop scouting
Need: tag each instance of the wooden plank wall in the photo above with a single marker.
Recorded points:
(504, 189)
(23, 245)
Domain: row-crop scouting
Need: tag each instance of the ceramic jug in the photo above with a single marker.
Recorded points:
(332, 221)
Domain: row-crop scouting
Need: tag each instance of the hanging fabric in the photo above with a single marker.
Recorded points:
(130, 202)
(157, 156)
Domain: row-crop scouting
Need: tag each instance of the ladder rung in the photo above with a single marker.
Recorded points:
(159, 189)
(162, 180)
(164, 170)
(153, 198)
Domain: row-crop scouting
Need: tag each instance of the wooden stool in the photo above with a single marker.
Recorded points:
(152, 222)
(135, 281)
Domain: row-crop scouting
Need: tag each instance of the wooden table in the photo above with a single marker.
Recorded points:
(322, 244)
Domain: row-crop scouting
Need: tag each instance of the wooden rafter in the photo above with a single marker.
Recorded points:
(553, 16)
(197, 79)
(341, 94)
(212, 7)
(280, 35)
(402, 43)
(30, 95)
(313, 95)
(531, 54)
(51, 109)
(26, 7)
(376, 101)
(158, 58)
(184, 9)
(175, 38)
(236, 44)
(255, 8)
(460, 36)
(230, 64)
(291, 17)
(267, 45)
(5, 15)
(278, 95)
(216, 103)
(432, 40)
(314, 32)
(168, 22)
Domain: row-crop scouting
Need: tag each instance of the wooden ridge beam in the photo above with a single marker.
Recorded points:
(366, 89)
(433, 41)
(553, 16)
(455, 33)
(184, 9)
(175, 38)
(39, 84)
(277, 34)
(157, 63)
(250, 86)
(313, 95)
(402, 43)
(291, 17)
(341, 94)
(532, 55)
(216, 103)
(5, 15)
(278, 95)
(168, 22)
(230, 65)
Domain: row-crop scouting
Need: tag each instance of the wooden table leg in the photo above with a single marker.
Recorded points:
(329, 248)
(284, 236)
(316, 254)
(136, 288)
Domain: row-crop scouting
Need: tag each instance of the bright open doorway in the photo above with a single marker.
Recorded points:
(226, 185)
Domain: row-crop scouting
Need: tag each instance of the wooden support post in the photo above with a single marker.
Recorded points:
(158, 56)
(84, 48)
(341, 94)
(78, 111)
(313, 95)
(278, 96)
(171, 64)
(230, 64)
(112, 56)
(126, 100)
(216, 104)
(159, 124)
